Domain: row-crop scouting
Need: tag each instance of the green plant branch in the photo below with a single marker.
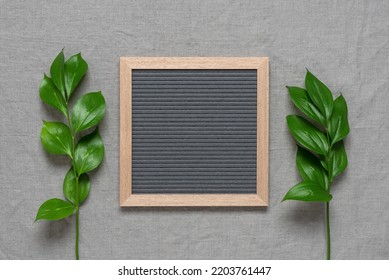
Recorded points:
(321, 155)
(57, 138)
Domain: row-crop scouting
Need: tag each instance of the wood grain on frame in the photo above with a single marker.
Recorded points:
(126, 197)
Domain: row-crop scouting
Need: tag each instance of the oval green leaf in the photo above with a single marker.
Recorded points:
(338, 159)
(56, 138)
(301, 100)
(319, 94)
(50, 95)
(310, 168)
(57, 73)
(55, 209)
(338, 125)
(307, 191)
(307, 135)
(89, 153)
(69, 187)
(75, 69)
(88, 111)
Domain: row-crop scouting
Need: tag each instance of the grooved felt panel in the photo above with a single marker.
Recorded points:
(194, 131)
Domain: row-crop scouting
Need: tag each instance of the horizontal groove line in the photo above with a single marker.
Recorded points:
(205, 189)
(217, 112)
(191, 114)
(153, 133)
(186, 118)
(200, 101)
(199, 129)
(175, 130)
(194, 157)
(148, 72)
(219, 120)
(198, 98)
(192, 145)
(225, 183)
(189, 93)
(163, 189)
(203, 79)
(147, 153)
(218, 149)
(199, 165)
(195, 104)
(196, 174)
(194, 138)
(203, 99)
(220, 88)
(195, 75)
(208, 183)
(206, 150)
(191, 141)
(221, 112)
(192, 192)
(194, 72)
(189, 161)
(141, 185)
(188, 82)
(195, 127)
(175, 172)
(220, 164)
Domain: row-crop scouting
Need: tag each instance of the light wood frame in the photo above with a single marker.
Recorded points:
(127, 64)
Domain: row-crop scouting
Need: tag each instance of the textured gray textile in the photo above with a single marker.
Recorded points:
(346, 43)
(194, 131)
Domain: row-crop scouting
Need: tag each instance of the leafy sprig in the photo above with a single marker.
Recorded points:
(85, 152)
(321, 155)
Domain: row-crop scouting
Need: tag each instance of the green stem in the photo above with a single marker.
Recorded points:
(77, 232)
(328, 231)
(77, 218)
(328, 203)
(77, 190)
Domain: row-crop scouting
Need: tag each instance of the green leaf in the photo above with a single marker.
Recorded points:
(56, 138)
(69, 187)
(75, 69)
(307, 135)
(51, 96)
(57, 73)
(307, 191)
(55, 209)
(319, 94)
(338, 127)
(88, 111)
(310, 168)
(89, 153)
(301, 100)
(337, 162)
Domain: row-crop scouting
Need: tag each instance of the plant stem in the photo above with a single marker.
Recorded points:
(77, 233)
(77, 218)
(77, 178)
(328, 231)
(328, 203)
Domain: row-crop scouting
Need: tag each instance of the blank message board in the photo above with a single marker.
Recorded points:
(194, 131)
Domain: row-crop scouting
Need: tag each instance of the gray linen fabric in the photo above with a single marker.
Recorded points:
(346, 43)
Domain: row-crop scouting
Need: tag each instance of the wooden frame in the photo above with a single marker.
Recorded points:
(261, 64)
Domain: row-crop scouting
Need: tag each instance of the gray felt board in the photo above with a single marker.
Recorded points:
(194, 131)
